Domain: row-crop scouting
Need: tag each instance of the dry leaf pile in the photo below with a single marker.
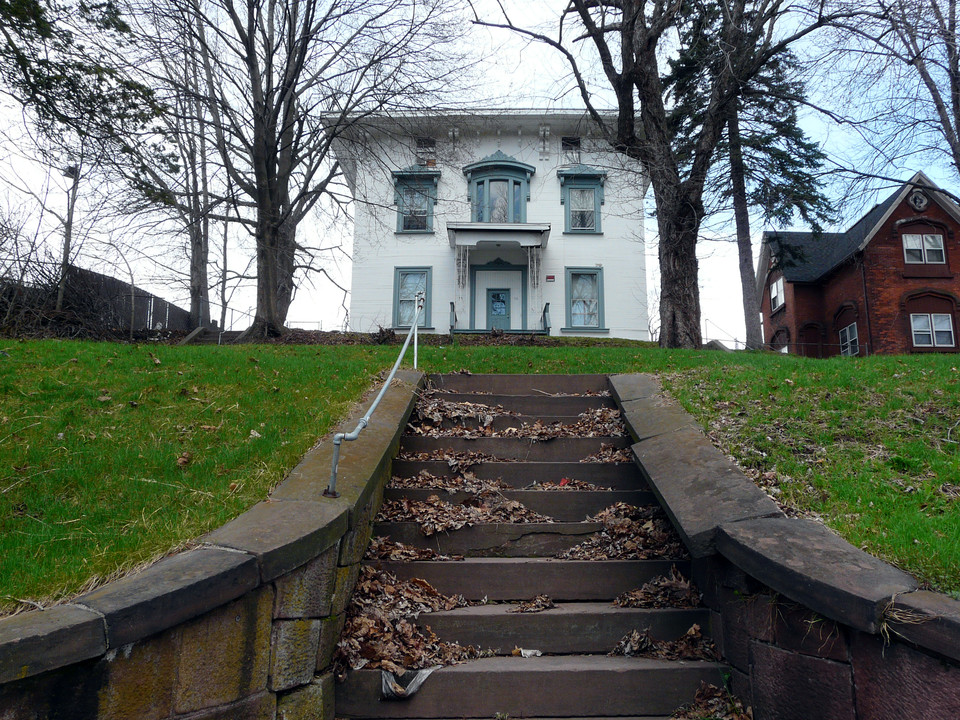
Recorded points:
(714, 703)
(534, 605)
(587, 393)
(383, 548)
(664, 591)
(564, 484)
(429, 414)
(600, 422)
(435, 515)
(457, 460)
(463, 482)
(380, 633)
(691, 646)
(629, 533)
(609, 454)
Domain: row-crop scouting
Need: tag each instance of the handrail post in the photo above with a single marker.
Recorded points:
(338, 438)
(416, 334)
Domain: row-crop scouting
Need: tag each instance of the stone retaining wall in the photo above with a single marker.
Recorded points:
(811, 626)
(241, 627)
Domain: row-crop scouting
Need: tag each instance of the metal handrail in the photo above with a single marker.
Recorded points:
(338, 439)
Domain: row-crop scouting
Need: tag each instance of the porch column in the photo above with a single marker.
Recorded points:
(463, 279)
(534, 255)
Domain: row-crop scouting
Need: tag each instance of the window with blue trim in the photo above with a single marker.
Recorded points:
(499, 189)
(415, 193)
(581, 194)
(584, 299)
(407, 282)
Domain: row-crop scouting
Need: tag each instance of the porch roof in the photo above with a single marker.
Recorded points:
(471, 234)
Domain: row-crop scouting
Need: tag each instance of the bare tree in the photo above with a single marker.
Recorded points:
(271, 85)
(630, 39)
(898, 79)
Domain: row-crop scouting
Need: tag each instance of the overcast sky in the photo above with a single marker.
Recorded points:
(517, 73)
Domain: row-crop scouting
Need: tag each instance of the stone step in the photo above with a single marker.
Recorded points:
(568, 628)
(500, 579)
(533, 405)
(561, 505)
(499, 424)
(556, 449)
(616, 476)
(493, 539)
(539, 385)
(560, 686)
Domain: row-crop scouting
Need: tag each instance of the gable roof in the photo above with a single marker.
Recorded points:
(807, 256)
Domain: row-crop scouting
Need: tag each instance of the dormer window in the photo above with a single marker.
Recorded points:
(926, 249)
(499, 189)
(426, 152)
(570, 150)
(776, 295)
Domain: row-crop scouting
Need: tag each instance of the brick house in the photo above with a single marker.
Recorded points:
(889, 284)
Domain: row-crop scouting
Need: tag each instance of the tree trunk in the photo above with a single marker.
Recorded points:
(199, 293)
(678, 220)
(200, 229)
(73, 174)
(275, 265)
(748, 278)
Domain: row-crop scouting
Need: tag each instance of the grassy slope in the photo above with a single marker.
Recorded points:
(91, 435)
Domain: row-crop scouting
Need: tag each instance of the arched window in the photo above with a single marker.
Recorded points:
(499, 189)
(932, 321)
(780, 342)
(924, 248)
(848, 334)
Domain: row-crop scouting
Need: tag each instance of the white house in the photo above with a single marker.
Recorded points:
(520, 220)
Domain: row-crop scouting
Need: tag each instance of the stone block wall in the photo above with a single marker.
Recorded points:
(242, 627)
(811, 626)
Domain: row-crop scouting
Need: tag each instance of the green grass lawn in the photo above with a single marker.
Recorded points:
(112, 455)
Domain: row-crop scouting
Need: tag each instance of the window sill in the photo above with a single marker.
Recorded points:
(582, 232)
(926, 271)
(406, 328)
(938, 349)
(584, 330)
(414, 232)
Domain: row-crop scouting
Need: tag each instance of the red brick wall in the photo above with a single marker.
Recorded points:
(889, 277)
(882, 317)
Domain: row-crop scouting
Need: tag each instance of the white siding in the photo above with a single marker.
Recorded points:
(379, 249)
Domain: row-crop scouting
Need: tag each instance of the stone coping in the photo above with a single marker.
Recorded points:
(717, 510)
(281, 533)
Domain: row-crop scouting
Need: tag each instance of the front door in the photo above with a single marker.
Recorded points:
(498, 309)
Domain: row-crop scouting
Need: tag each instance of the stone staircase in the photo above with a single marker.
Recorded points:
(574, 676)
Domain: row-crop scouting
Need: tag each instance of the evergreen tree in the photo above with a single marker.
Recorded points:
(59, 60)
(764, 161)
